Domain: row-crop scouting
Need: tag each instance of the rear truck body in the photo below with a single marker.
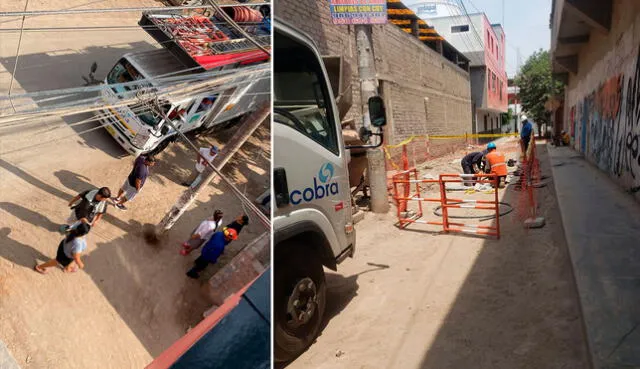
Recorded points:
(191, 45)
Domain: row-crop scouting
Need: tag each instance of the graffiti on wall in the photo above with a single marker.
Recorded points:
(605, 124)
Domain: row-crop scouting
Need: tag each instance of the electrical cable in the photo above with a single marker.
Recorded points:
(15, 65)
(438, 212)
(227, 79)
(233, 24)
(168, 77)
(119, 10)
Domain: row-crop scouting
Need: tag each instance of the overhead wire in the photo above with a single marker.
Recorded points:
(32, 13)
(15, 65)
(176, 92)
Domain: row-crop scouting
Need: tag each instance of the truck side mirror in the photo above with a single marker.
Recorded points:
(377, 112)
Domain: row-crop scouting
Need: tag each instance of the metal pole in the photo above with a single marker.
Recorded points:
(246, 129)
(376, 170)
(118, 10)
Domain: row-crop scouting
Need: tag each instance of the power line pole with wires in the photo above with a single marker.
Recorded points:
(212, 169)
(376, 170)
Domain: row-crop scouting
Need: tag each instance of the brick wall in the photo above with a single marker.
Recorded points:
(408, 71)
(242, 269)
(601, 100)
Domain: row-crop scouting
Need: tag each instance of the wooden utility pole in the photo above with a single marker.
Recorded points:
(246, 129)
(376, 170)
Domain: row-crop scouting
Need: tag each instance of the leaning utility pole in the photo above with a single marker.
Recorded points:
(246, 129)
(376, 170)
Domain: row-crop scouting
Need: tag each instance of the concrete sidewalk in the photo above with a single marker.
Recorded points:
(6, 360)
(602, 227)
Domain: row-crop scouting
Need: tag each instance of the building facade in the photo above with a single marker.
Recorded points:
(595, 49)
(425, 91)
(484, 44)
(434, 8)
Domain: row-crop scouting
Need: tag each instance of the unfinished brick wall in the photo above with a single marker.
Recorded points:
(408, 72)
(247, 265)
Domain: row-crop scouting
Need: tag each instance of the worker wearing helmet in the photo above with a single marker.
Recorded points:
(495, 163)
(212, 251)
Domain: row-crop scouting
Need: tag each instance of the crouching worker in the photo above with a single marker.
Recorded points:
(69, 251)
(496, 164)
(471, 164)
(212, 251)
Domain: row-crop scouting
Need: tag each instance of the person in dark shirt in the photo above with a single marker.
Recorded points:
(92, 205)
(525, 135)
(134, 182)
(212, 251)
(471, 163)
(237, 224)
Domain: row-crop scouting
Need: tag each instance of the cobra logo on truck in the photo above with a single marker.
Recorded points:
(323, 186)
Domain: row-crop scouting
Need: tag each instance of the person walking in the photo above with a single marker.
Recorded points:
(471, 164)
(69, 251)
(495, 164)
(525, 135)
(209, 154)
(212, 251)
(203, 233)
(90, 209)
(238, 223)
(134, 182)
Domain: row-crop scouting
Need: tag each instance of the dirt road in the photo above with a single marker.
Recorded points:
(414, 299)
(132, 300)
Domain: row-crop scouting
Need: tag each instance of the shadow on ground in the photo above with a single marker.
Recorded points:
(18, 253)
(340, 292)
(58, 69)
(518, 307)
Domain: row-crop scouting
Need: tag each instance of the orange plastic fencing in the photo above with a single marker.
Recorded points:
(529, 178)
(408, 177)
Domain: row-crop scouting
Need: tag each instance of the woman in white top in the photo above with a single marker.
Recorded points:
(202, 234)
(69, 251)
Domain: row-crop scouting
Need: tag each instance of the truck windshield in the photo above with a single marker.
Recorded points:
(124, 72)
(300, 88)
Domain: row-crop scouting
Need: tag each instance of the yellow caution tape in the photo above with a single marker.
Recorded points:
(446, 137)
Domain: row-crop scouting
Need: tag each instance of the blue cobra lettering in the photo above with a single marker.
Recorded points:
(293, 201)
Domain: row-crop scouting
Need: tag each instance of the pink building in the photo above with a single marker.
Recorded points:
(484, 44)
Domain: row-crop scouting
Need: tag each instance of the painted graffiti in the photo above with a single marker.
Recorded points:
(605, 123)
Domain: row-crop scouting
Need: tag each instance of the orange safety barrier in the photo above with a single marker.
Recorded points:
(448, 203)
(410, 176)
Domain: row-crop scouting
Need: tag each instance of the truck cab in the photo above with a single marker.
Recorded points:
(312, 217)
(141, 129)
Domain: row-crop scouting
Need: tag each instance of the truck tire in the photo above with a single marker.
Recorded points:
(298, 277)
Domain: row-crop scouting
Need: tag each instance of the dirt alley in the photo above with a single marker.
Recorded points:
(414, 299)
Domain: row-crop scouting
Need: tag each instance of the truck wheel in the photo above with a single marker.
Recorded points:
(299, 302)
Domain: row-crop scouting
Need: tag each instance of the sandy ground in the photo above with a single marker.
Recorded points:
(133, 300)
(415, 298)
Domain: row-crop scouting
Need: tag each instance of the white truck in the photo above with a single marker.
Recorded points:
(312, 218)
(137, 128)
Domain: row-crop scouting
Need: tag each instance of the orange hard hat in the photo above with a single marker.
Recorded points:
(231, 233)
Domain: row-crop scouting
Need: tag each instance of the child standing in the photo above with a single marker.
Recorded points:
(69, 250)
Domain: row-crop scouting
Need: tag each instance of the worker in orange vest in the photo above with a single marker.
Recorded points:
(495, 164)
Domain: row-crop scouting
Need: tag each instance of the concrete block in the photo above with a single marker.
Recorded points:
(534, 222)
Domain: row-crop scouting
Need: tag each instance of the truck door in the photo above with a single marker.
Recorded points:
(200, 109)
(309, 146)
